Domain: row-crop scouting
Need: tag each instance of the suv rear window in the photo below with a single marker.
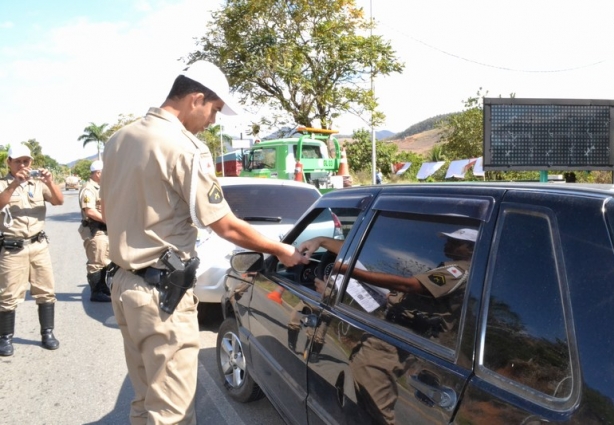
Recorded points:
(284, 204)
(526, 340)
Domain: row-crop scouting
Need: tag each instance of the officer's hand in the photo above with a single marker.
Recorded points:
(22, 175)
(291, 256)
(46, 176)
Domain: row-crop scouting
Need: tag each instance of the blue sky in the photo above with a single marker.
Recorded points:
(65, 63)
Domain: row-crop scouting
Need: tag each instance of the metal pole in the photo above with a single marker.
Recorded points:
(222, 148)
(373, 144)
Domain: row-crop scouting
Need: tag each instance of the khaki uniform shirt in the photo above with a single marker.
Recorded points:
(146, 187)
(89, 197)
(27, 207)
(446, 278)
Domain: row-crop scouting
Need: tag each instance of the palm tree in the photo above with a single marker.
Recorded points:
(214, 137)
(95, 133)
(437, 154)
(35, 148)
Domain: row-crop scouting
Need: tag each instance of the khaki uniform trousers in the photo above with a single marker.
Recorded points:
(161, 351)
(96, 249)
(295, 324)
(29, 266)
(376, 367)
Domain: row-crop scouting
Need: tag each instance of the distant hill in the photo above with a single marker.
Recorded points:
(425, 125)
(420, 143)
(91, 158)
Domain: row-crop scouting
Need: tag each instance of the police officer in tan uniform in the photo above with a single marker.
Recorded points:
(429, 304)
(93, 231)
(158, 187)
(24, 256)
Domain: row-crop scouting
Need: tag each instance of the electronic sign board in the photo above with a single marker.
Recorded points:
(548, 134)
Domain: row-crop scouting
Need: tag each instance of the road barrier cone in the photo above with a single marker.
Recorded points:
(298, 172)
(344, 170)
(276, 295)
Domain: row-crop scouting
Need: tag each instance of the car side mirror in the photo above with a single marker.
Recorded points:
(247, 262)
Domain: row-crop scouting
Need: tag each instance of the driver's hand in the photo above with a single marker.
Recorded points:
(291, 256)
(310, 246)
(320, 285)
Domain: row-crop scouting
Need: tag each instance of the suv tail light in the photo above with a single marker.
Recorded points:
(338, 231)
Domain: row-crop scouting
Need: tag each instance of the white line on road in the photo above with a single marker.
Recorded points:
(219, 399)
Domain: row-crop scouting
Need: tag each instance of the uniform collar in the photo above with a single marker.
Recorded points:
(165, 115)
(96, 185)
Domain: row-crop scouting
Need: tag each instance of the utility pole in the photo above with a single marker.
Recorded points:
(373, 144)
(222, 148)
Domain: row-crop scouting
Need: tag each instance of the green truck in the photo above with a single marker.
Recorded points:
(313, 157)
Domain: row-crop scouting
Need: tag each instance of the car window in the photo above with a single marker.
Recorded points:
(333, 223)
(310, 151)
(285, 204)
(526, 340)
(412, 273)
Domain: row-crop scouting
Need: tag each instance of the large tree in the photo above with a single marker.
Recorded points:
(95, 134)
(122, 121)
(463, 132)
(359, 153)
(307, 59)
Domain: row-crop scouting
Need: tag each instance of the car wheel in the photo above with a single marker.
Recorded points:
(232, 364)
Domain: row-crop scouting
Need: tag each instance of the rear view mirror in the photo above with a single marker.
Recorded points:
(247, 262)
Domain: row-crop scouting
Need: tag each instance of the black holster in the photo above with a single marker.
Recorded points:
(109, 271)
(174, 285)
(94, 226)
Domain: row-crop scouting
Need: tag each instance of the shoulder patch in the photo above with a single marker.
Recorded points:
(86, 199)
(438, 279)
(454, 271)
(215, 194)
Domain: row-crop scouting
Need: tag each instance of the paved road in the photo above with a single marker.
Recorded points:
(85, 381)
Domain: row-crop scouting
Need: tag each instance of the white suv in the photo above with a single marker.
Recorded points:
(272, 206)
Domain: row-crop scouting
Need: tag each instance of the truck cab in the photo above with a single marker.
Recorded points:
(312, 157)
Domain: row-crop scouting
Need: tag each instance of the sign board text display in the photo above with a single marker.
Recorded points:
(548, 134)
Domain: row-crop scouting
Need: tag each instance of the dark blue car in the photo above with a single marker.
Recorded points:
(441, 303)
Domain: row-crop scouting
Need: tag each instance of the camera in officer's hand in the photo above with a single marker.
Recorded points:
(35, 173)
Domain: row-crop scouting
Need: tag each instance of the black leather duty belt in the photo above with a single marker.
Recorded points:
(151, 275)
(20, 243)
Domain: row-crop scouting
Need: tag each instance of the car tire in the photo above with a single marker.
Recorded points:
(232, 364)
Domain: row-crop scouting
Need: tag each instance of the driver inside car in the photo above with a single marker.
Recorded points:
(427, 303)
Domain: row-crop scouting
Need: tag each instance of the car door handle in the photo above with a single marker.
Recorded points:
(309, 320)
(441, 396)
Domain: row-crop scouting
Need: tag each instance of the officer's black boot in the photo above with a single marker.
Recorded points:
(96, 282)
(292, 337)
(46, 313)
(7, 329)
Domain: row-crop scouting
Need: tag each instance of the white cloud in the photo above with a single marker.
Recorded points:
(6, 25)
(92, 72)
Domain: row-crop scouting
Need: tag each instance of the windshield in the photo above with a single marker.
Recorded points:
(275, 203)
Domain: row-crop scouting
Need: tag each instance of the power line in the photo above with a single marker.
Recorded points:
(503, 68)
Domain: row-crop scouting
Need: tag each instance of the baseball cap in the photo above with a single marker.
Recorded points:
(212, 77)
(96, 166)
(470, 235)
(19, 150)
